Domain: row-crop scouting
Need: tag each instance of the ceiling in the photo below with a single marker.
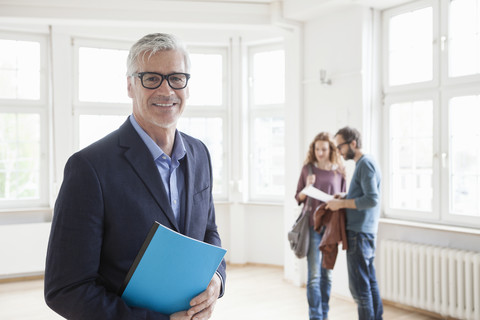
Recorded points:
(378, 4)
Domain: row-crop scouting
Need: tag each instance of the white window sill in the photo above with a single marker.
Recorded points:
(25, 216)
(430, 226)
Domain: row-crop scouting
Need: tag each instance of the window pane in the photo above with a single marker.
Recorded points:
(410, 47)
(465, 155)
(19, 69)
(95, 127)
(464, 38)
(210, 132)
(411, 150)
(19, 156)
(268, 157)
(102, 75)
(269, 77)
(206, 83)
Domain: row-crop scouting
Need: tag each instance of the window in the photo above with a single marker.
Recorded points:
(266, 124)
(101, 75)
(464, 38)
(205, 116)
(102, 103)
(432, 102)
(411, 141)
(92, 127)
(23, 123)
(410, 47)
(211, 132)
(464, 164)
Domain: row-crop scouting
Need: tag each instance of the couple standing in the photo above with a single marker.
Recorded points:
(362, 205)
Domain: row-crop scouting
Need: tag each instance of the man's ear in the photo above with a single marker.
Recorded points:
(130, 86)
(353, 144)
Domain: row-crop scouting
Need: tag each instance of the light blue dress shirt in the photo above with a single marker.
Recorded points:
(173, 179)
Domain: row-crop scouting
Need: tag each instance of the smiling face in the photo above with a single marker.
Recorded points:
(161, 107)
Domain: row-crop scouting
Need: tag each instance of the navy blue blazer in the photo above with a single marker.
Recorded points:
(110, 196)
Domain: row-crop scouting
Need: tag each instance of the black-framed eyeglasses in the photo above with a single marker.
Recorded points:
(342, 144)
(153, 80)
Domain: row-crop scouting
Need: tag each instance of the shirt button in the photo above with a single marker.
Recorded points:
(174, 201)
(164, 157)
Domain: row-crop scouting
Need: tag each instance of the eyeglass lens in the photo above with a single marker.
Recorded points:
(152, 80)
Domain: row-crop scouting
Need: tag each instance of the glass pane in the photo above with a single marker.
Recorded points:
(269, 77)
(102, 75)
(95, 127)
(464, 155)
(464, 38)
(19, 70)
(206, 83)
(19, 156)
(210, 132)
(268, 149)
(411, 151)
(410, 47)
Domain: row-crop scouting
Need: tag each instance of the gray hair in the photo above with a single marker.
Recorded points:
(151, 44)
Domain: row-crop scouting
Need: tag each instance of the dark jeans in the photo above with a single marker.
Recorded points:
(319, 279)
(361, 275)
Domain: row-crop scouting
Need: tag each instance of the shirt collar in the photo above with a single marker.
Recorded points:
(178, 151)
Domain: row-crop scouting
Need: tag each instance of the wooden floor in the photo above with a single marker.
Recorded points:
(253, 293)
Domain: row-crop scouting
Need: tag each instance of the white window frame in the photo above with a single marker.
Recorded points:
(446, 80)
(435, 52)
(259, 111)
(440, 90)
(446, 216)
(40, 107)
(434, 214)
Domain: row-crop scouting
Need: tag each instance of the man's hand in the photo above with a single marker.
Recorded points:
(204, 303)
(341, 195)
(335, 204)
(340, 203)
(181, 315)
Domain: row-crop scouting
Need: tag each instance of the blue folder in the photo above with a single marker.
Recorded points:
(169, 271)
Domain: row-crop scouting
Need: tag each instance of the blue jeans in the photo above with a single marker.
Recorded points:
(361, 275)
(319, 279)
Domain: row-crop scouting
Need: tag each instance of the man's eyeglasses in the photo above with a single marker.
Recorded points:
(153, 80)
(342, 144)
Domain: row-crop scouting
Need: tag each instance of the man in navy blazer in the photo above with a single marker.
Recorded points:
(115, 189)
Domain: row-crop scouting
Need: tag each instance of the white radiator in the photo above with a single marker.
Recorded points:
(442, 280)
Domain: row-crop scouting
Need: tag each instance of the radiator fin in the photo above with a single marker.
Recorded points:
(441, 280)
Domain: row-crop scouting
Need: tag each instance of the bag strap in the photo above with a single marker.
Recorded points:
(310, 172)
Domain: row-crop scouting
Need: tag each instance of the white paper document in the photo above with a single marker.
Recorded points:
(318, 194)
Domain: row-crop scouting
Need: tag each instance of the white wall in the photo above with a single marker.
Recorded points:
(23, 249)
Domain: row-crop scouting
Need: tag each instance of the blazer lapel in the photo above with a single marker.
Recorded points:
(189, 183)
(142, 163)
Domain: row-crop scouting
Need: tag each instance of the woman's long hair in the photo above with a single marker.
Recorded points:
(333, 157)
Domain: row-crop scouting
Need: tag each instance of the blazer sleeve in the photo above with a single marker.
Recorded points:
(73, 284)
